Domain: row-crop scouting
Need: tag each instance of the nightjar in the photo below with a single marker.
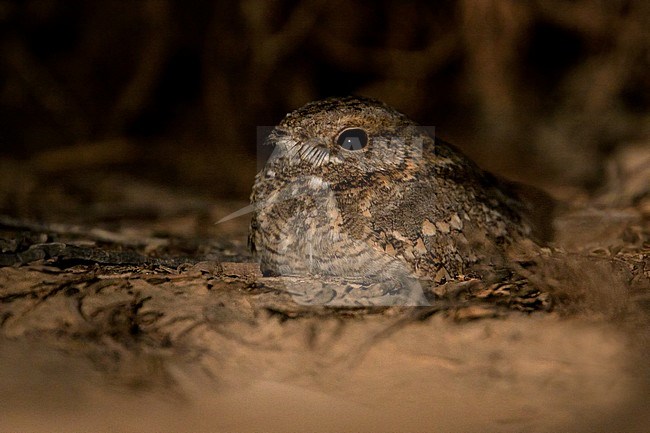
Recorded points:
(354, 189)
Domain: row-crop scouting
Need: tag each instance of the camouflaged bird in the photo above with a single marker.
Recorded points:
(355, 189)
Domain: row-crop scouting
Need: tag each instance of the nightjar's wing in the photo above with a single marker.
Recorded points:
(450, 218)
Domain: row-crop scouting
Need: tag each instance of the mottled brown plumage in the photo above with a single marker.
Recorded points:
(405, 205)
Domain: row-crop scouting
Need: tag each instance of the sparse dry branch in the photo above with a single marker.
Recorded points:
(46, 90)
(156, 16)
(394, 63)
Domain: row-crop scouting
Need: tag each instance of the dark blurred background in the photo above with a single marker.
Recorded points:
(540, 91)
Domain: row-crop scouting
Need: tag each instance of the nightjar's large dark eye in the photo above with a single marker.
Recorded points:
(352, 139)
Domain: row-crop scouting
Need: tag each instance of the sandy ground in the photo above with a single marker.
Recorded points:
(210, 345)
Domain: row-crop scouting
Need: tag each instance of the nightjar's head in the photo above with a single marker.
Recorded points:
(351, 135)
